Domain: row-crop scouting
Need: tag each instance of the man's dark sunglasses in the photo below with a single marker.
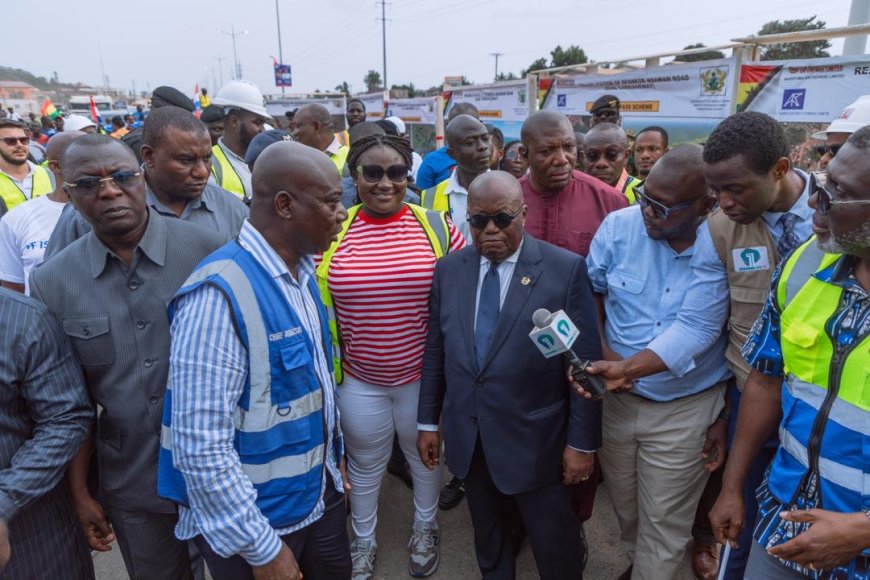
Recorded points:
(831, 150)
(825, 199)
(659, 209)
(501, 220)
(12, 141)
(609, 154)
(375, 173)
(91, 185)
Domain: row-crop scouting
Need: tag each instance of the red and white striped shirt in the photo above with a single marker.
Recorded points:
(380, 278)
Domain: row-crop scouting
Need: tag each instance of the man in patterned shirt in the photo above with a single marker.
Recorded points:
(809, 352)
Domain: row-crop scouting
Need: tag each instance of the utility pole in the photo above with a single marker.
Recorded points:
(234, 34)
(859, 13)
(220, 59)
(384, 35)
(496, 55)
(280, 49)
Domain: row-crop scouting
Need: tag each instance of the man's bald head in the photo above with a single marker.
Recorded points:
(495, 185)
(463, 109)
(289, 166)
(313, 112)
(680, 170)
(460, 126)
(606, 133)
(59, 143)
(297, 200)
(541, 122)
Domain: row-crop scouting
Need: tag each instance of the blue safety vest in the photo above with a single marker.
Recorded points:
(280, 425)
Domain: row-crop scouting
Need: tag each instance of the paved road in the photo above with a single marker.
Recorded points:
(606, 560)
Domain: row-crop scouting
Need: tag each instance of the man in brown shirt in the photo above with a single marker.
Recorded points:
(565, 206)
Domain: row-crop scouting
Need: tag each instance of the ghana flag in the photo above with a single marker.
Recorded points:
(48, 109)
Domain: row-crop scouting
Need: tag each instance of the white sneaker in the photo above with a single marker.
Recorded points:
(362, 555)
(425, 550)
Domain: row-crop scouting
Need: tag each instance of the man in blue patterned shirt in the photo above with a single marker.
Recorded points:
(810, 354)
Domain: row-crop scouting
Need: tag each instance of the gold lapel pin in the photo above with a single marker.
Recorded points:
(526, 281)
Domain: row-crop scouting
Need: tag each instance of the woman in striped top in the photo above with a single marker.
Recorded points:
(378, 275)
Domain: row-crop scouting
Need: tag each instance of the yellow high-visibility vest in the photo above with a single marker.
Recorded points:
(43, 183)
(224, 172)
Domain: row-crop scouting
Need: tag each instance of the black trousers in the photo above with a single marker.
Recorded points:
(322, 549)
(553, 528)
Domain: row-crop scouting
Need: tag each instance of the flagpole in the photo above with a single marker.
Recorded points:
(280, 49)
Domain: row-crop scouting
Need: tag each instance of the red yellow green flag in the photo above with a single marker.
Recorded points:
(49, 110)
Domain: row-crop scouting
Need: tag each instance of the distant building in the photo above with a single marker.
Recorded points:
(17, 90)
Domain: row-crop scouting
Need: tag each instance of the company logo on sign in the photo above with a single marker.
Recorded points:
(713, 80)
(561, 100)
(750, 259)
(793, 99)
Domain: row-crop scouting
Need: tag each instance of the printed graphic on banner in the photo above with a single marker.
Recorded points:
(374, 104)
(804, 91)
(694, 90)
(283, 75)
(415, 111)
(496, 102)
(277, 107)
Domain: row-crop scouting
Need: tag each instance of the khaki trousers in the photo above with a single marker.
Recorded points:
(654, 472)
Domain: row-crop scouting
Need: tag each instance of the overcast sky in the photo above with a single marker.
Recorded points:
(177, 42)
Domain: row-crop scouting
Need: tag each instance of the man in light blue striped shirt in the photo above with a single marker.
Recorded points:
(240, 477)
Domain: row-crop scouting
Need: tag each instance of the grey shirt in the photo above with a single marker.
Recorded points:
(116, 318)
(45, 413)
(217, 210)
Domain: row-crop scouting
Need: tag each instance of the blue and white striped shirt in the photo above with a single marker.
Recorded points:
(208, 365)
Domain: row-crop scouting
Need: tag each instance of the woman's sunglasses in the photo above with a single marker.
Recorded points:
(375, 173)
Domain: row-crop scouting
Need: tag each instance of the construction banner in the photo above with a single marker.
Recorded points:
(499, 102)
(803, 91)
(416, 111)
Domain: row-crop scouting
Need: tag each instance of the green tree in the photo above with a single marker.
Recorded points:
(567, 56)
(343, 88)
(706, 55)
(412, 90)
(506, 76)
(539, 64)
(372, 80)
(794, 50)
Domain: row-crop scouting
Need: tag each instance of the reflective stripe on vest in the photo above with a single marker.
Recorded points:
(826, 394)
(43, 184)
(628, 189)
(436, 198)
(434, 223)
(224, 172)
(280, 428)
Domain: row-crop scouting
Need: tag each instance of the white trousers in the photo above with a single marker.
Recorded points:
(370, 415)
(654, 471)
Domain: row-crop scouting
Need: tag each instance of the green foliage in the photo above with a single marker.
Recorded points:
(794, 50)
(17, 74)
(558, 57)
(506, 76)
(343, 88)
(372, 80)
(409, 87)
(706, 55)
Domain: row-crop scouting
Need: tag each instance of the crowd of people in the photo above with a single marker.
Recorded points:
(219, 335)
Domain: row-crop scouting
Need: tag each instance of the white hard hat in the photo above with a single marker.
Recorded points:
(77, 123)
(399, 124)
(852, 118)
(243, 95)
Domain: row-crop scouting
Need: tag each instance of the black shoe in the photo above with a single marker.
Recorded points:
(451, 494)
(402, 471)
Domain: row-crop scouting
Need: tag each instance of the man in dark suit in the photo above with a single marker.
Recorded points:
(513, 428)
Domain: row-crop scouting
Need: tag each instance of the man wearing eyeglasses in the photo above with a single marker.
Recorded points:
(605, 149)
(763, 215)
(655, 434)
(810, 354)
(20, 179)
(513, 429)
(850, 119)
(110, 290)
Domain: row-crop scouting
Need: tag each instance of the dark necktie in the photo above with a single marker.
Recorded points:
(487, 312)
(789, 240)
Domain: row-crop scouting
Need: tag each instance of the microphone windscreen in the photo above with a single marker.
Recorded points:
(541, 317)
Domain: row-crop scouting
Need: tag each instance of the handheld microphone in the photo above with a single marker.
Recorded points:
(554, 333)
